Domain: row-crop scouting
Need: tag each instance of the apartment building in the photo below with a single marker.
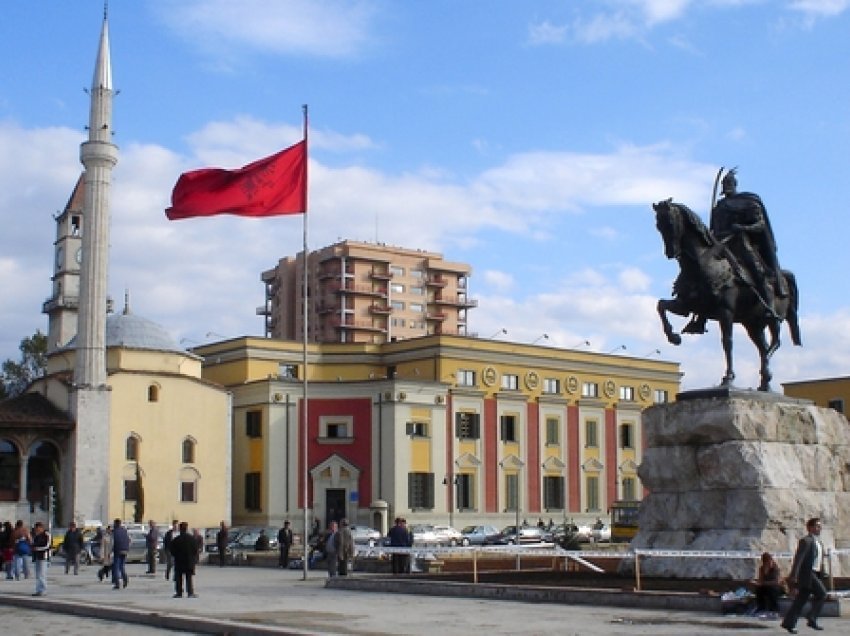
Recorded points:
(368, 293)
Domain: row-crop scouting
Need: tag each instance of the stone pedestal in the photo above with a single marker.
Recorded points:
(741, 470)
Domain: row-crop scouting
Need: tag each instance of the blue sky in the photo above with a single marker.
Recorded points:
(527, 139)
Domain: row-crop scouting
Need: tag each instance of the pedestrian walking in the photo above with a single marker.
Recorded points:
(120, 548)
(806, 574)
(40, 556)
(72, 546)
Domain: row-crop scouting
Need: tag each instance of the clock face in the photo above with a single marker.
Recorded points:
(60, 257)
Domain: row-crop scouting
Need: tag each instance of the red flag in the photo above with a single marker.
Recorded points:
(268, 187)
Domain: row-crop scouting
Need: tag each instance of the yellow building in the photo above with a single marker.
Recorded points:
(167, 426)
(439, 428)
(831, 393)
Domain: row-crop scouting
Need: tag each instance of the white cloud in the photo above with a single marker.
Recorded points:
(546, 33)
(331, 28)
(820, 8)
(500, 281)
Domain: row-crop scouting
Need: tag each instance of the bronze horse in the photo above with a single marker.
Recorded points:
(710, 285)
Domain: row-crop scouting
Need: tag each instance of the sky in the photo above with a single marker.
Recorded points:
(528, 139)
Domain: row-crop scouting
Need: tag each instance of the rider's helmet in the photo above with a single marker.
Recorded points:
(730, 182)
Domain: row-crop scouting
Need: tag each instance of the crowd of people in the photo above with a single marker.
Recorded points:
(20, 545)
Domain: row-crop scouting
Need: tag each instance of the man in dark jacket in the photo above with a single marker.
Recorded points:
(806, 574)
(72, 546)
(40, 549)
(151, 546)
(184, 551)
(173, 531)
(120, 548)
(400, 537)
(284, 541)
(221, 543)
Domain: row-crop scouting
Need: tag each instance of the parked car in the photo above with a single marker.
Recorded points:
(423, 534)
(446, 535)
(138, 547)
(364, 535)
(246, 540)
(527, 534)
(482, 535)
(232, 535)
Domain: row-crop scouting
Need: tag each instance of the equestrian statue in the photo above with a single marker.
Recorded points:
(729, 273)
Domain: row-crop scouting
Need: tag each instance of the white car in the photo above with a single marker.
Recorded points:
(601, 533)
(423, 534)
(446, 535)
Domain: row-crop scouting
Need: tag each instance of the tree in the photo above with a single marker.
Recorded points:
(17, 376)
(139, 510)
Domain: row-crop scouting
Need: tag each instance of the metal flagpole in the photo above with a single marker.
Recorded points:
(304, 420)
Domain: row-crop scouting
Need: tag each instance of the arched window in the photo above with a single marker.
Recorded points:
(189, 479)
(132, 453)
(188, 451)
(10, 471)
(42, 471)
(153, 393)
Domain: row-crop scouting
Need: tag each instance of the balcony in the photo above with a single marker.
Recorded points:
(435, 316)
(356, 325)
(377, 274)
(363, 290)
(381, 310)
(61, 302)
(460, 301)
(436, 281)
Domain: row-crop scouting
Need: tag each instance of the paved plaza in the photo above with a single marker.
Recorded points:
(245, 600)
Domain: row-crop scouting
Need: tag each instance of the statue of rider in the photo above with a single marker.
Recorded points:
(739, 220)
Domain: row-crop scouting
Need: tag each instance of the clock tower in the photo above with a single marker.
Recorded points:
(64, 302)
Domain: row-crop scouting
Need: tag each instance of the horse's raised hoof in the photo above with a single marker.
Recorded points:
(674, 338)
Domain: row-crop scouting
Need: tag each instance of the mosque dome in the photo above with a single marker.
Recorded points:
(134, 332)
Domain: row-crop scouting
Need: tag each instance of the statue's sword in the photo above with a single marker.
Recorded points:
(714, 189)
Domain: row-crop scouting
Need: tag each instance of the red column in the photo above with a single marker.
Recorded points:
(490, 424)
(611, 458)
(532, 461)
(573, 460)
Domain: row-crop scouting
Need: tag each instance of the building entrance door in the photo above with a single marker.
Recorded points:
(334, 504)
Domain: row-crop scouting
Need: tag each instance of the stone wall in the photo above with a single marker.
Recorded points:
(741, 470)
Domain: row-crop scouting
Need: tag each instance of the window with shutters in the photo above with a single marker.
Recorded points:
(465, 492)
(553, 492)
(254, 424)
(420, 490)
(591, 439)
(508, 428)
(511, 492)
(252, 491)
(553, 428)
(467, 426)
(417, 429)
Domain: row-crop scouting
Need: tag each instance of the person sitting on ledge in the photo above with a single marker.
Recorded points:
(262, 543)
(768, 586)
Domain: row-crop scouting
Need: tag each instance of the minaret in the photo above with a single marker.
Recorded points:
(90, 401)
